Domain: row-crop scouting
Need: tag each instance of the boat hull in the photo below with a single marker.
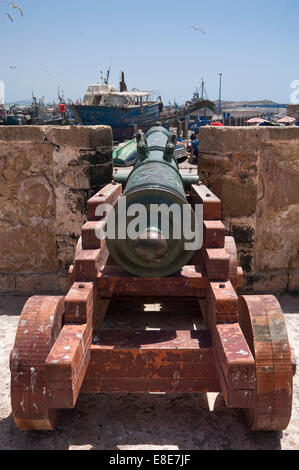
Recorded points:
(121, 120)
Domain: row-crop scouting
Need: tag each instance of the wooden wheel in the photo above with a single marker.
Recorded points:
(39, 326)
(263, 325)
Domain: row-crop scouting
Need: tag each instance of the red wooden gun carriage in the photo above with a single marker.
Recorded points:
(61, 349)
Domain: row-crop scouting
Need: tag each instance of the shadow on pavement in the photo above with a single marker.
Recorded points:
(117, 422)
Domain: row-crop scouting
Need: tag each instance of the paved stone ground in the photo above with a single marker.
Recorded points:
(174, 422)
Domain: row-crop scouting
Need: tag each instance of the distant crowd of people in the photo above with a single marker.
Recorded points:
(194, 147)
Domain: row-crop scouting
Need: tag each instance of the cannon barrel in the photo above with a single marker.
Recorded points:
(156, 185)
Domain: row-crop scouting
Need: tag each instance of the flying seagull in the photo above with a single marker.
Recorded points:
(49, 73)
(13, 5)
(196, 28)
(10, 17)
(12, 67)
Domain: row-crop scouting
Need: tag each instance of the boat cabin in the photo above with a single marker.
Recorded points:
(106, 95)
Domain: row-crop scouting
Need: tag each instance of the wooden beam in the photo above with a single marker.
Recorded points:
(107, 195)
(235, 366)
(213, 234)
(151, 361)
(216, 263)
(88, 263)
(190, 282)
(79, 303)
(66, 365)
(235, 357)
(90, 241)
(221, 304)
(200, 194)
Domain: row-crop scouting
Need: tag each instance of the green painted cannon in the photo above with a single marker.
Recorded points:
(157, 186)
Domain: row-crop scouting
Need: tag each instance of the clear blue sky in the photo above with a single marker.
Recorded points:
(255, 44)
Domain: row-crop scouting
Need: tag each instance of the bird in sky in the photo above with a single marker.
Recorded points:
(49, 73)
(196, 28)
(10, 17)
(12, 67)
(13, 5)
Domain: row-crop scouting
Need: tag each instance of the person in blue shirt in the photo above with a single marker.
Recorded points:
(195, 150)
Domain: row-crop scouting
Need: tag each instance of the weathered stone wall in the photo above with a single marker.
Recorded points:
(47, 174)
(255, 172)
(293, 111)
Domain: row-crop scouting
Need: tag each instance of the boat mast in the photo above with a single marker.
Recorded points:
(35, 107)
(106, 81)
(122, 83)
(204, 94)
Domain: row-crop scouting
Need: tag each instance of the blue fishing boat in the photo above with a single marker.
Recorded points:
(121, 109)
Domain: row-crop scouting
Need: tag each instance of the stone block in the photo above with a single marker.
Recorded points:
(47, 174)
